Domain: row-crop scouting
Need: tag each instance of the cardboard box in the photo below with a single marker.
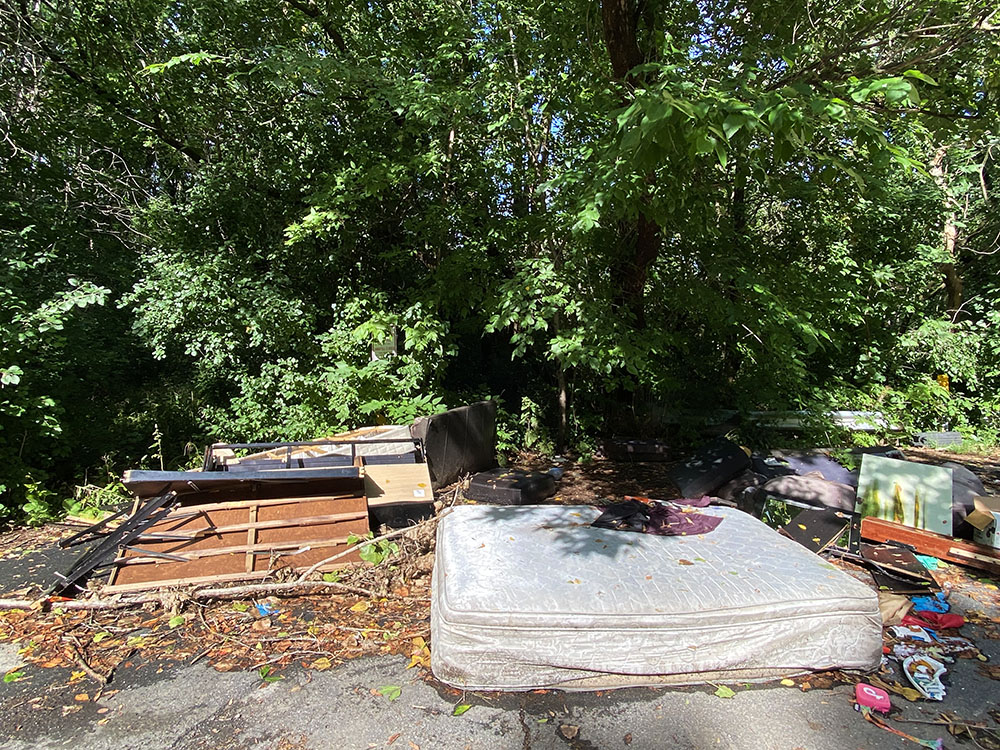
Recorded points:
(985, 519)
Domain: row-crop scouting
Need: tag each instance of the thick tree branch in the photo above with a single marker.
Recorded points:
(156, 126)
(308, 8)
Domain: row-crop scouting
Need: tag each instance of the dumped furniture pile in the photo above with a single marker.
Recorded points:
(258, 511)
(761, 567)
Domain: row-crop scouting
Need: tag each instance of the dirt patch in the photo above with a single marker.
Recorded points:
(986, 466)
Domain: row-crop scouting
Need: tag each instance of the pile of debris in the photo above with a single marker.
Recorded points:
(630, 591)
(688, 570)
(277, 511)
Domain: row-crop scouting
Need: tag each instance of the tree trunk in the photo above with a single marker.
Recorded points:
(952, 281)
(621, 26)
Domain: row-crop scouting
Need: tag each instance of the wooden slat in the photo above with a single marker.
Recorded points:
(936, 545)
(230, 504)
(253, 525)
(251, 537)
(249, 549)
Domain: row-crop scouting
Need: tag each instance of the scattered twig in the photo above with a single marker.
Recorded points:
(391, 535)
(76, 653)
(239, 592)
(198, 658)
(233, 592)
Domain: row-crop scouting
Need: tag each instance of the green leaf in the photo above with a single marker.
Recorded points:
(11, 375)
(241, 606)
(13, 676)
(176, 621)
(392, 692)
(461, 709)
(920, 77)
(704, 144)
(724, 692)
(720, 152)
(732, 124)
(267, 674)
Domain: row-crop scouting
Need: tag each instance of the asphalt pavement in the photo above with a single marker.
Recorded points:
(167, 705)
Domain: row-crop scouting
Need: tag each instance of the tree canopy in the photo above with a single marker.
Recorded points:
(597, 212)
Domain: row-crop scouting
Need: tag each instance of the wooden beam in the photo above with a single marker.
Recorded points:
(237, 504)
(225, 578)
(197, 554)
(251, 537)
(936, 545)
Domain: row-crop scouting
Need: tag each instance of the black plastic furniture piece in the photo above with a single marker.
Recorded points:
(510, 487)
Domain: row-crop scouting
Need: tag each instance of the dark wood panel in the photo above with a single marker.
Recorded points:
(244, 538)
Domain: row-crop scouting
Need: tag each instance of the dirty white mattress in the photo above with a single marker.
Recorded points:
(532, 597)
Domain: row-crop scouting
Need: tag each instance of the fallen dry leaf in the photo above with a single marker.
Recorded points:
(911, 694)
(569, 731)
(990, 670)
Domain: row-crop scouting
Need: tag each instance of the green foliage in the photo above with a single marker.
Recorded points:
(209, 219)
(92, 501)
(392, 692)
(267, 674)
(40, 504)
(377, 552)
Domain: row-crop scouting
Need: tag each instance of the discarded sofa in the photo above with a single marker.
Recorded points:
(534, 597)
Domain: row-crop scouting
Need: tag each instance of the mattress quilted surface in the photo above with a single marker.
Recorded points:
(532, 596)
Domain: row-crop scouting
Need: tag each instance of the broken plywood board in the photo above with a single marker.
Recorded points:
(896, 569)
(395, 484)
(816, 529)
(235, 541)
(907, 493)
